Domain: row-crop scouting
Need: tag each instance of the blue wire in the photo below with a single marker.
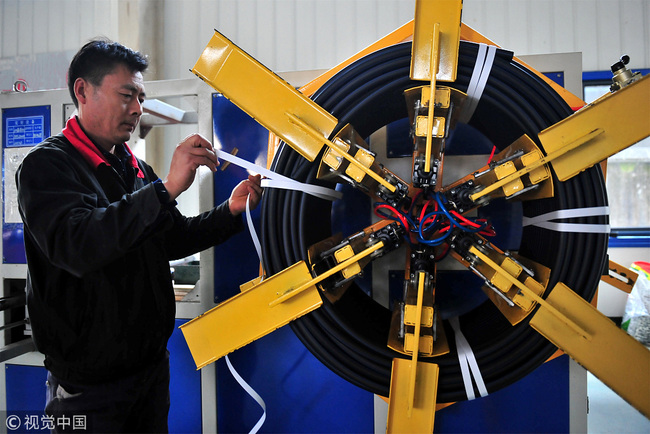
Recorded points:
(419, 229)
(454, 221)
(444, 209)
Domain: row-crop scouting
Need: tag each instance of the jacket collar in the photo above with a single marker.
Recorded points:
(82, 143)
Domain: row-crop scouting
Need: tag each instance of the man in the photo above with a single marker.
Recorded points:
(100, 228)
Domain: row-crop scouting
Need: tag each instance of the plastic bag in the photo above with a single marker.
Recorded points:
(636, 318)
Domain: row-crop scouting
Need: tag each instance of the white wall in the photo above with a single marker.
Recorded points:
(601, 29)
(289, 35)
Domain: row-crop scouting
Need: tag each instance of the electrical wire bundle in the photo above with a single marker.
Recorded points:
(349, 336)
(432, 228)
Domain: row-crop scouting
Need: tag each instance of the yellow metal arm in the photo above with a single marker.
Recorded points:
(280, 298)
(292, 292)
(446, 15)
(230, 326)
(435, 48)
(578, 329)
(276, 301)
(271, 101)
(539, 163)
(414, 384)
(436, 38)
(616, 358)
(591, 135)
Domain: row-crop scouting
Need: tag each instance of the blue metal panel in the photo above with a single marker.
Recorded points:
(232, 128)
(593, 77)
(557, 77)
(21, 127)
(25, 389)
(538, 403)
(301, 394)
(184, 386)
(398, 139)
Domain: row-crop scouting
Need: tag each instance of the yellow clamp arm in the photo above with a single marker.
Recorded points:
(343, 265)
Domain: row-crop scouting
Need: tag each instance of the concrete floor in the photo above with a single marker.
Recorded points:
(608, 413)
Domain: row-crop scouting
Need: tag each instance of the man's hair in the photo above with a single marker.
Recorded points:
(99, 58)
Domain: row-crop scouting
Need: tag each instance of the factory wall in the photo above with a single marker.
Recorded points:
(288, 35)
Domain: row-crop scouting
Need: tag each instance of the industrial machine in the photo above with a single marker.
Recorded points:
(449, 278)
(439, 341)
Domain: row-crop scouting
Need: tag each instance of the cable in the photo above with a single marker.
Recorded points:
(349, 336)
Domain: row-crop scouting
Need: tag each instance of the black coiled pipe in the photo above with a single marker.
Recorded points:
(350, 336)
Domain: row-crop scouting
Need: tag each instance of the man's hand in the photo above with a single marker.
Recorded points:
(192, 152)
(237, 200)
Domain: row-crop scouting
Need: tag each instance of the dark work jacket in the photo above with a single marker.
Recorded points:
(99, 288)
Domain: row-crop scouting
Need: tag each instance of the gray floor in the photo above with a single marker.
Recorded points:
(608, 413)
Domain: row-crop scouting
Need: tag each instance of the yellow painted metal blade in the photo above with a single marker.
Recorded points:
(292, 291)
(624, 116)
(447, 14)
(231, 325)
(609, 353)
(264, 96)
(416, 345)
(424, 400)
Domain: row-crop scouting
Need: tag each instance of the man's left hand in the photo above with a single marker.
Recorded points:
(252, 187)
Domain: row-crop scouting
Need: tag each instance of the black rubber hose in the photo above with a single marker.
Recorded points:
(349, 336)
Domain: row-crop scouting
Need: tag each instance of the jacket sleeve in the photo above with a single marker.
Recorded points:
(70, 221)
(190, 235)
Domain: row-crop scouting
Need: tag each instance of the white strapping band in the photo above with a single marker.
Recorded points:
(253, 232)
(252, 393)
(544, 220)
(478, 80)
(468, 364)
(276, 180)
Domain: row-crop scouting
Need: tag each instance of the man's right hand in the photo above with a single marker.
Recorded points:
(192, 152)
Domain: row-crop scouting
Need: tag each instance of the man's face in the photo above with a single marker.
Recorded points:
(110, 112)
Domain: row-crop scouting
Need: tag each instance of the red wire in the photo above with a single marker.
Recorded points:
(494, 148)
(399, 216)
(424, 208)
(466, 220)
(486, 230)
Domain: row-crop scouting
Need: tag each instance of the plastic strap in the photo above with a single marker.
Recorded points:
(575, 227)
(253, 232)
(544, 220)
(468, 364)
(276, 180)
(251, 392)
(478, 80)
